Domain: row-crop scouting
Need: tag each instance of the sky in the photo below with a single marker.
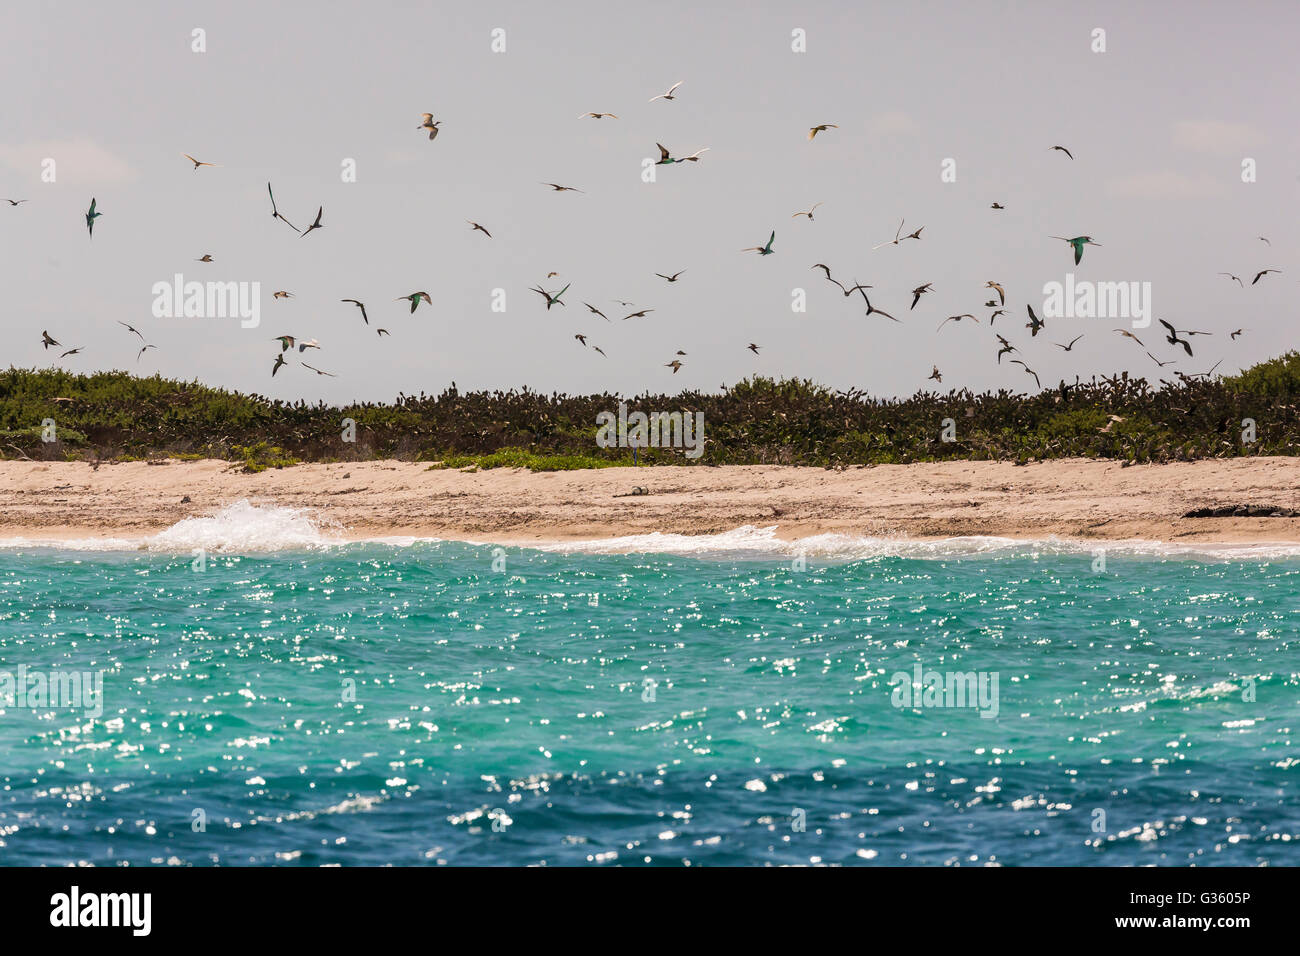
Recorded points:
(1159, 125)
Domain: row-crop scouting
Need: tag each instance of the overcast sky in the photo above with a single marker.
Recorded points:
(1158, 124)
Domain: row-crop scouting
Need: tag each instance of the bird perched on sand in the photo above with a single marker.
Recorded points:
(430, 124)
(763, 250)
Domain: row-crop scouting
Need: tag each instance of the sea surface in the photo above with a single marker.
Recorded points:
(271, 696)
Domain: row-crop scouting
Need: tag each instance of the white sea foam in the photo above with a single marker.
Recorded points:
(246, 528)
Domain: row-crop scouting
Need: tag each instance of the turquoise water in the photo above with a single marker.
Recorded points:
(578, 708)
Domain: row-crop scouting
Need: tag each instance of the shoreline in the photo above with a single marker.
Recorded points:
(1077, 499)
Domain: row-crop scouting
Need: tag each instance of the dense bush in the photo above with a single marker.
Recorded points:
(756, 421)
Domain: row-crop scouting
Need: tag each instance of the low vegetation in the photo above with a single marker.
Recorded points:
(117, 416)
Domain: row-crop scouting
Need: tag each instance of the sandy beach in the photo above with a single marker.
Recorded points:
(1071, 499)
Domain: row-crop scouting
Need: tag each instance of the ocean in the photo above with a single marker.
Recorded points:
(273, 696)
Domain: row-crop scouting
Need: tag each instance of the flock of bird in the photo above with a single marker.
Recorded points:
(1178, 338)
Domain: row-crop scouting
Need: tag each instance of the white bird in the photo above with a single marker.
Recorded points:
(669, 94)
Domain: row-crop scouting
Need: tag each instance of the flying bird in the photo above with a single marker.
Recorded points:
(995, 315)
(317, 371)
(130, 328)
(1236, 279)
(1173, 339)
(279, 361)
(592, 308)
(871, 309)
(638, 315)
(1078, 242)
(753, 348)
(763, 250)
(91, 216)
(562, 189)
(314, 225)
(936, 374)
(286, 343)
(997, 205)
(1026, 367)
(47, 341)
(275, 213)
(196, 163)
(15, 202)
(282, 294)
(809, 213)
(920, 291)
(1129, 335)
(1233, 335)
(430, 124)
(71, 352)
(414, 298)
(1158, 362)
(1006, 347)
(669, 95)
(1062, 149)
(675, 365)
(898, 237)
(207, 257)
(1070, 346)
(143, 350)
(551, 299)
(581, 338)
(597, 115)
(671, 278)
(362, 307)
(1035, 324)
(1002, 295)
(812, 132)
(478, 228)
(1263, 272)
(957, 318)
